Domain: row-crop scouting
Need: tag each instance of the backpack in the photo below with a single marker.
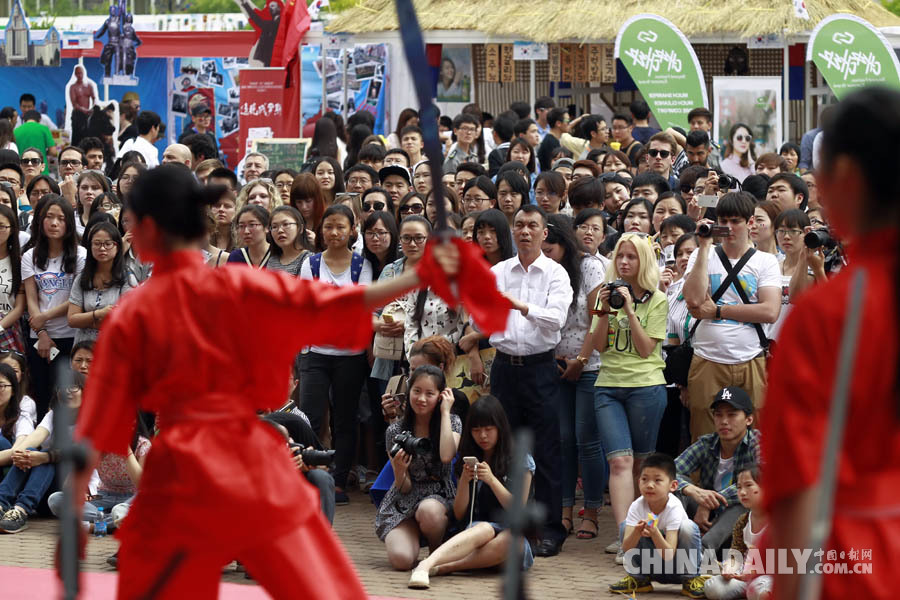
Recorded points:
(356, 266)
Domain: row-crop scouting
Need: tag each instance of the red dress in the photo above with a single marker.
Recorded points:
(801, 379)
(204, 349)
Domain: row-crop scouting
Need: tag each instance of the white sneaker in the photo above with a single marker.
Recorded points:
(613, 548)
(418, 580)
(620, 557)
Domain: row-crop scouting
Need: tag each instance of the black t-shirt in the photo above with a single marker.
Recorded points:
(546, 149)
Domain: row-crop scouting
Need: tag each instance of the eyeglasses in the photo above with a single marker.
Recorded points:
(590, 228)
(10, 180)
(35, 193)
(70, 162)
(5, 386)
(359, 181)
(418, 240)
(377, 205)
(282, 226)
(468, 129)
(5, 228)
(743, 138)
(283, 185)
(374, 233)
(128, 178)
(106, 205)
(660, 153)
(789, 232)
(412, 208)
(544, 194)
(248, 226)
(107, 245)
(32, 161)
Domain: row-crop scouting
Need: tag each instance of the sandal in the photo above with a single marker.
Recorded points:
(587, 534)
(571, 526)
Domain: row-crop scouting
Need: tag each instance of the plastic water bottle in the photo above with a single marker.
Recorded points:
(100, 524)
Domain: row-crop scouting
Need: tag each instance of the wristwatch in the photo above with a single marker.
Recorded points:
(718, 313)
(582, 360)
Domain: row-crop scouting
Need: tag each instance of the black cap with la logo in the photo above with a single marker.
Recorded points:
(735, 397)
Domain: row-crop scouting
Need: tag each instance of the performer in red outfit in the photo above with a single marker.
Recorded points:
(860, 189)
(204, 349)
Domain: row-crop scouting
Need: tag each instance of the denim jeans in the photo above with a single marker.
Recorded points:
(89, 513)
(324, 483)
(688, 539)
(628, 419)
(5, 444)
(580, 441)
(25, 488)
(717, 537)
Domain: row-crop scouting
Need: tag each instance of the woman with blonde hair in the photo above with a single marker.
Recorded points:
(261, 192)
(630, 391)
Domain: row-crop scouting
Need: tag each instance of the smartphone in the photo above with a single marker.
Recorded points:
(387, 318)
(669, 255)
(470, 460)
(54, 351)
(708, 201)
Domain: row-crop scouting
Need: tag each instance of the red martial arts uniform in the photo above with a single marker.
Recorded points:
(204, 349)
(801, 380)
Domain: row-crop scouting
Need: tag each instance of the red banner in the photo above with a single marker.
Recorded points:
(266, 107)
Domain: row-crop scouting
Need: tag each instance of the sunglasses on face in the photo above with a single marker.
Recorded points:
(743, 138)
(411, 208)
(31, 161)
(660, 153)
(376, 205)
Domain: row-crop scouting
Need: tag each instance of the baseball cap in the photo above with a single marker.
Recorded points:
(395, 170)
(130, 97)
(563, 162)
(200, 109)
(735, 397)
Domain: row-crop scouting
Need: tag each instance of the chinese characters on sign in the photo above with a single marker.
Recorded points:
(263, 109)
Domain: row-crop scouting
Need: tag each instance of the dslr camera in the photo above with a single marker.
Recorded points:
(616, 299)
(819, 238)
(727, 182)
(312, 457)
(410, 444)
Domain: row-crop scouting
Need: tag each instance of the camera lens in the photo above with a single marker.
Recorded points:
(704, 230)
(816, 238)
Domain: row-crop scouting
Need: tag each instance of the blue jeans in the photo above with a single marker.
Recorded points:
(580, 441)
(5, 444)
(324, 484)
(629, 418)
(105, 500)
(26, 488)
(667, 572)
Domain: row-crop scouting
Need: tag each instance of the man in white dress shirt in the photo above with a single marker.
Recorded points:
(524, 376)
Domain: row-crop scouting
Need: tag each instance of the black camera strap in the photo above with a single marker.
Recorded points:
(733, 273)
(730, 277)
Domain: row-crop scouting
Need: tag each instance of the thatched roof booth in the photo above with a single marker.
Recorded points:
(598, 20)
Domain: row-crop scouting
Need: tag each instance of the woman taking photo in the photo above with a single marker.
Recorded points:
(381, 240)
(512, 191)
(48, 271)
(762, 230)
(484, 543)
(493, 234)
(307, 197)
(260, 192)
(630, 394)
(330, 178)
(12, 292)
(740, 153)
(252, 225)
(287, 241)
(331, 375)
(97, 289)
(790, 227)
(422, 493)
(578, 363)
(90, 185)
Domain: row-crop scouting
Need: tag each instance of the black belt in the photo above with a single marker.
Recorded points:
(525, 361)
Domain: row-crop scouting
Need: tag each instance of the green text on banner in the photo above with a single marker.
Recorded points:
(851, 53)
(662, 63)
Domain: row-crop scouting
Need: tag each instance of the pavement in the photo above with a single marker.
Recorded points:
(581, 570)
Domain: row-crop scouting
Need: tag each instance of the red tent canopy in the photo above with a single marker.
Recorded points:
(177, 44)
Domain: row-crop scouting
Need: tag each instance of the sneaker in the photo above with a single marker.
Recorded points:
(14, 520)
(620, 557)
(341, 498)
(418, 580)
(693, 588)
(613, 548)
(632, 585)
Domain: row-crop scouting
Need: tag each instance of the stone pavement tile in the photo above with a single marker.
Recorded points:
(582, 569)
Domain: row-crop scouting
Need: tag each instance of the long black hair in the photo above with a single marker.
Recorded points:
(174, 199)
(117, 270)
(487, 412)
(23, 367)
(390, 224)
(434, 426)
(11, 412)
(13, 250)
(496, 219)
(561, 231)
(69, 240)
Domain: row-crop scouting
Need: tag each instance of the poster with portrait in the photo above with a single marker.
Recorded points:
(455, 76)
(752, 101)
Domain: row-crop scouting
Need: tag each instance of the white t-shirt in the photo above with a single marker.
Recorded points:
(730, 342)
(724, 473)
(53, 286)
(147, 150)
(47, 423)
(24, 425)
(775, 327)
(751, 539)
(28, 407)
(7, 300)
(669, 519)
(339, 280)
